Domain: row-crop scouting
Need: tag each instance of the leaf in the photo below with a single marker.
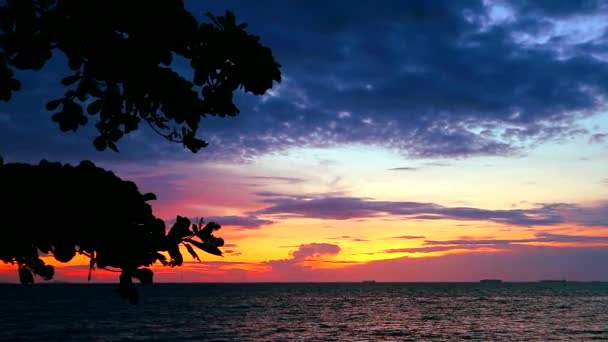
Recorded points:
(25, 276)
(219, 242)
(207, 247)
(213, 18)
(100, 143)
(148, 197)
(194, 144)
(127, 290)
(70, 80)
(145, 275)
(52, 105)
(179, 230)
(94, 107)
(47, 272)
(175, 254)
(192, 252)
(112, 146)
(208, 230)
(194, 225)
(160, 257)
(91, 266)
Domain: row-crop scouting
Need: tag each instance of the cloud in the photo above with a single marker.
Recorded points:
(315, 250)
(467, 83)
(408, 237)
(404, 168)
(349, 238)
(429, 249)
(472, 244)
(290, 180)
(303, 253)
(345, 208)
(429, 79)
(598, 138)
(541, 237)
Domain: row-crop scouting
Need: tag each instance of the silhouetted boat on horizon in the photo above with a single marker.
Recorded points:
(491, 281)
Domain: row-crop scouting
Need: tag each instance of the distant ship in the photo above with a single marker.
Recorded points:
(553, 281)
(491, 281)
(368, 281)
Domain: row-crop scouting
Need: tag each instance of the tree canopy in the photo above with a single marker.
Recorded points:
(129, 62)
(89, 211)
(124, 57)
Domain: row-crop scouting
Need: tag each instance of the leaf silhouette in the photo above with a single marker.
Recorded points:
(25, 276)
(192, 252)
(207, 247)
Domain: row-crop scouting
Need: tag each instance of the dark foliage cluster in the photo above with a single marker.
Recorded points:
(63, 210)
(124, 55)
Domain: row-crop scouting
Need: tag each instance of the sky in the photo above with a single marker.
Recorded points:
(407, 141)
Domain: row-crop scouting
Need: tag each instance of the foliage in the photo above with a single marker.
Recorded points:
(89, 211)
(124, 56)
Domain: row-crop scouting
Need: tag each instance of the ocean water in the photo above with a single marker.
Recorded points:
(307, 312)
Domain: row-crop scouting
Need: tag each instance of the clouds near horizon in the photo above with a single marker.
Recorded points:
(345, 208)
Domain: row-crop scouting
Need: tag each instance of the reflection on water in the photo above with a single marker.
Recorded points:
(329, 312)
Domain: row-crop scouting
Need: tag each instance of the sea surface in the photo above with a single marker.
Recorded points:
(307, 312)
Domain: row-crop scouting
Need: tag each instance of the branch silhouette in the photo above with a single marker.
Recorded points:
(124, 57)
(89, 211)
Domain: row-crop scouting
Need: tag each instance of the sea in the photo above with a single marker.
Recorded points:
(307, 312)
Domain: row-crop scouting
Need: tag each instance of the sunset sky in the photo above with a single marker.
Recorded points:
(408, 141)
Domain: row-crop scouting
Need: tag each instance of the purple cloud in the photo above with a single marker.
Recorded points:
(598, 138)
(344, 208)
(541, 237)
(289, 180)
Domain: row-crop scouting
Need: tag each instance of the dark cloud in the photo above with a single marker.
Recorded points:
(439, 78)
(428, 78)
(344, 208)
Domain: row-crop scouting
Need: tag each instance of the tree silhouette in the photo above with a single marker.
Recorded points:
(124, 56)
(89, 211)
